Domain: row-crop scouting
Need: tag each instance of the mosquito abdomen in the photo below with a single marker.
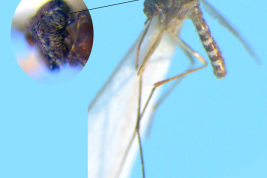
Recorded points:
(210, 45)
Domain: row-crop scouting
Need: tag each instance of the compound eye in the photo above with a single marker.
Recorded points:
(44, 39)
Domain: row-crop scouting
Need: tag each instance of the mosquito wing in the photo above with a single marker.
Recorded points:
(229, 27)
(112, 114)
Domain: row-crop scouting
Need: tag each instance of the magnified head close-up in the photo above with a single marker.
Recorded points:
(52, 40)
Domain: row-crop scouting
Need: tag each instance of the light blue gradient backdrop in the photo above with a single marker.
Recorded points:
(205, 128)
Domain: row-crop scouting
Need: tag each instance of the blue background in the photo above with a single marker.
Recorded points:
(205, 128)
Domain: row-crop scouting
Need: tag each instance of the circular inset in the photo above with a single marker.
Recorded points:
(51, 43)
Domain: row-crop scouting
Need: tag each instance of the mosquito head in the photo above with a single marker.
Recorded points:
(172, 12)
(152, 8)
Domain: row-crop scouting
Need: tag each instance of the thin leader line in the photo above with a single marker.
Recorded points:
(104, 6)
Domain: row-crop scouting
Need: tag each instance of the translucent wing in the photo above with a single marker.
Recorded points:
(112, 114)
(224, 23)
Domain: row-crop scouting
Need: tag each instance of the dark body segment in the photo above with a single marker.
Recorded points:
(48, 29)
(62, 38)
(172, 14)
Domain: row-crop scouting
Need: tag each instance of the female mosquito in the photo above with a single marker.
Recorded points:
(124, 106)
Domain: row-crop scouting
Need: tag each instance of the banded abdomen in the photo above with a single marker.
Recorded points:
(209, 44)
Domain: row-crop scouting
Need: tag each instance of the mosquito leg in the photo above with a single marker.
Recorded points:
(192, 63)
(150, 52)
(189, 52)
(139, 45)
(125, 155)
(136, 131)
(193, 53)
(141, 153)
(231, 29)
(139, 116)
(165, 95)
(137, 128)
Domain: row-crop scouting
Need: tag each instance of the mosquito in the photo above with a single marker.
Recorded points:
(134, 85)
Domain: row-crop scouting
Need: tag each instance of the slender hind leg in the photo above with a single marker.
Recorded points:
(166, 94)
(183, 45)
(189, 52)
(186, 48)
(136, 131)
